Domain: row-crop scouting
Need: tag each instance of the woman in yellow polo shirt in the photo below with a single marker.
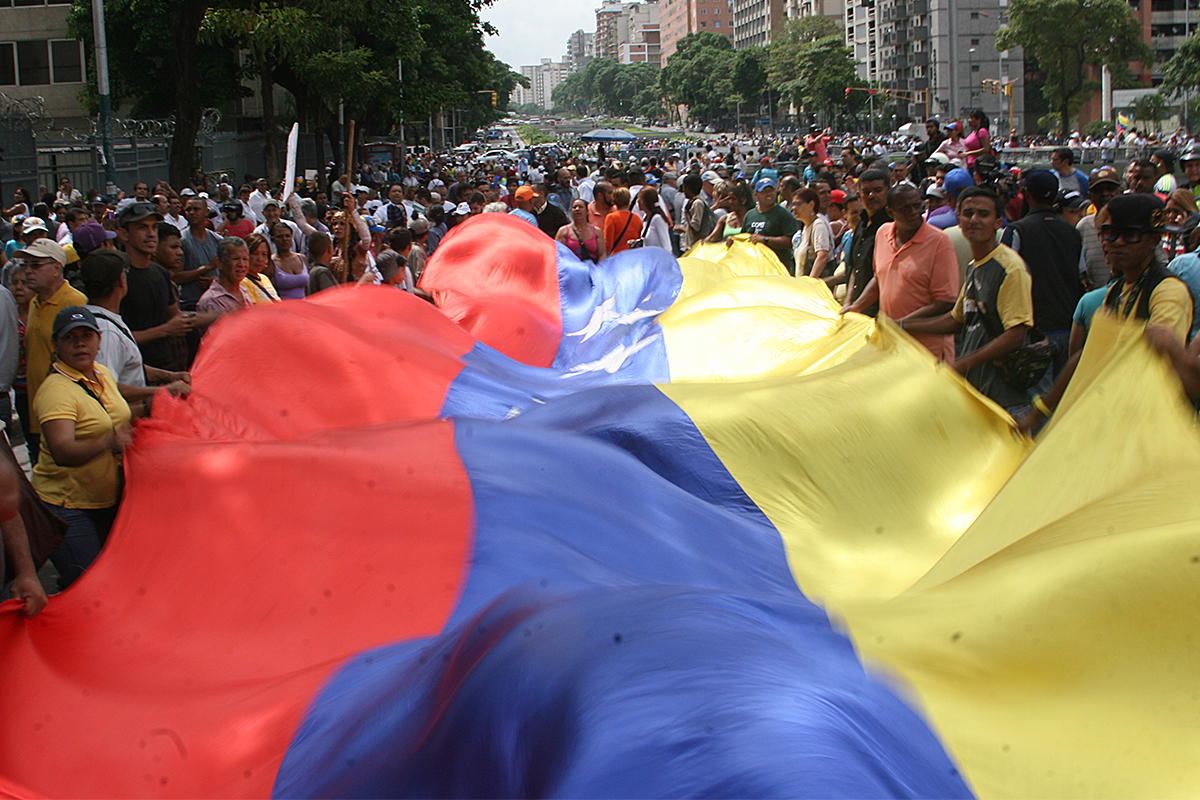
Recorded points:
(85, 428)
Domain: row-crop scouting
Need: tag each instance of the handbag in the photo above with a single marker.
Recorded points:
(1024, 367)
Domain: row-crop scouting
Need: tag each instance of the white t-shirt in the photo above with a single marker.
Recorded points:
(118, 351)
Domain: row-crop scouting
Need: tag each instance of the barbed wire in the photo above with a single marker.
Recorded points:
(142, 128)
(20, 112)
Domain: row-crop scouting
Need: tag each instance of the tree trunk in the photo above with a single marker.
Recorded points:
(271, 147)
(184, 30)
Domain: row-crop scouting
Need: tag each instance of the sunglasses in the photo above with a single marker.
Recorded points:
(1127, 235)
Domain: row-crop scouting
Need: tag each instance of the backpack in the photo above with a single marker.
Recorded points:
(708, 220)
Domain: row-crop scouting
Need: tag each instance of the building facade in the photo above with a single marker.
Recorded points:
(38, 59)
(639, 35)
(608, 23)
(933, 56)
(543, 78)
(681, 17)
(755, 21)
(581, 48)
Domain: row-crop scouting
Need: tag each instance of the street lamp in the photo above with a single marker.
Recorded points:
(971, 75)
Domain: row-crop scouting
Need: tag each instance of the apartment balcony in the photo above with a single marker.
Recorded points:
(918, 8)
(917, 33)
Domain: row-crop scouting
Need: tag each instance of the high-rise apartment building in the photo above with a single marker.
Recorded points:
(933, 56)
(608, 23)
(681, 17)
(755, 21)
(543, 78)
(581, 48)
(639, 36)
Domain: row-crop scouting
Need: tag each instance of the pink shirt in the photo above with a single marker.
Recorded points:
(914, 274)
(976, 140)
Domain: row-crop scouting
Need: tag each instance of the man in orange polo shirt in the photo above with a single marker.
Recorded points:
(916, 270)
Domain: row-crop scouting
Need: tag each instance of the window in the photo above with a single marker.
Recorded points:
(8, 65)
(716, 23)
(703, 24)
(974, 68)
(33, 63)
(974, 15)
(717, 11)
(703, 12)
(37, 62)
(68, 67)
(974, 42)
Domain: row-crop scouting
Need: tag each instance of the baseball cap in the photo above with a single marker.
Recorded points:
(764, 183)
(187, 193)
(375, 227)
(953, 126)
(103, 267)
(73, 317)
(1143, 212)
(272, 203)
(389, 262)
(935, 191)
(89, 236)
(524, 193)
(44, 248)
(34, 224)
(1190, 153)
(1042, 185)
(709, 176)
(957, 180)
(1071, 200)
(136, 212)
(1105, 175)
(463, 209)
(837, 197)
(940, 158)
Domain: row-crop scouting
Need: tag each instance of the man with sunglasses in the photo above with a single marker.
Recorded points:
(1130, 231)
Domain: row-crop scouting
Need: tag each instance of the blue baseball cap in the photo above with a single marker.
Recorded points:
(764, 183)
(957, 179)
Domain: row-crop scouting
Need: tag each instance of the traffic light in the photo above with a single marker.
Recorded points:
(1008, 90)
(493, 98)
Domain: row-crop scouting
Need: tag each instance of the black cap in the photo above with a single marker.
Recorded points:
(73, 317)
(136, 212)
(102, 267)
(1042, 185)
(1143, 212)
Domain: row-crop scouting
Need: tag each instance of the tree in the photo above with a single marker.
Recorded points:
(158, 65)
(1182, 70)
(1152, 108)
(1066, 37)
(699, 74)
(811, 65)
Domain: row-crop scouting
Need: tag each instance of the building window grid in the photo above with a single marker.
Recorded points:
(40, 62)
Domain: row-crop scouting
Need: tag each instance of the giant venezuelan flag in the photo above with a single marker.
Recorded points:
(641, 530)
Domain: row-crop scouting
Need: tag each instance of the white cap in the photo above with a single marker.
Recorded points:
(34, 224)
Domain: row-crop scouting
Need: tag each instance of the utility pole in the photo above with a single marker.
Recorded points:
(106, 155)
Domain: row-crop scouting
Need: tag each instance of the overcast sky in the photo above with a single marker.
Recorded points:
(531, 30)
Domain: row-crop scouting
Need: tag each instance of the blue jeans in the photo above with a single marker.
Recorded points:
(87, 531)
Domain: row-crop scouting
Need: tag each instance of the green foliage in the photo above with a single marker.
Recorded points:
(532, 136)
(1182, 70)
(1151, 108)
(1068, 36)
(1099, 127)
(141, 56)
(700, 74)
(606, 86)
(811, 65)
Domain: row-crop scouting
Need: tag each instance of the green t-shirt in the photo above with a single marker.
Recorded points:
(776, 222)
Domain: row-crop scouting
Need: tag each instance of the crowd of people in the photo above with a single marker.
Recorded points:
(997, 270)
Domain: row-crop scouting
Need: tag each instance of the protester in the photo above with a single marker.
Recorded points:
(583, 238)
